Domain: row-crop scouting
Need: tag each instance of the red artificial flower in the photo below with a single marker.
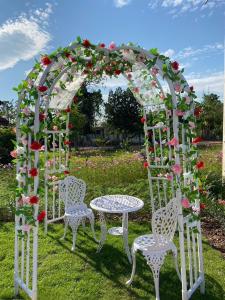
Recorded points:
(67, 54)
(197, 140)
(46, 60)
(33, 172)
(202, 206)
(145, 164)
(151, 149)
(34, 199)
(89, 65)
(175, 65)
(35, 146)
(143, 120)
(42, 88)
(41, 216)
(70, 126)
(198, 111)
(117, 72)
(68, 109)
(75, 99)
(66, 172)
(200, 165)
(67, 142)
(86, 43)
(42, 117)
(102, 45)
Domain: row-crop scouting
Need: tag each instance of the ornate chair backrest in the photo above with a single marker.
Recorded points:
(164, 220)
(72, 191)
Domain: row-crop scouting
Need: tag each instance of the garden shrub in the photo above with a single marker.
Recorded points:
(6, 144)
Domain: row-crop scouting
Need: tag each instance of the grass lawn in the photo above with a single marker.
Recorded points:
(86, 274)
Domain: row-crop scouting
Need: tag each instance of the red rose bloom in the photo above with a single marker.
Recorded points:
(70, 126)
(197, 140)
(200, 165)
(68, 109)
(89, 65)
(46, 60)
(34, 200)
(42, 117)
(42, 88)
(202, 206)
(102, 45)
(33, 172)
(145, 164)
(175, 65)
(41, 216)
(117, 72)
(143, 120)
(151, 149)
(66, 172)
(86, 43)
(198, 111)
(66, 142)
(35, 146)
(67, 54)
(75, 99)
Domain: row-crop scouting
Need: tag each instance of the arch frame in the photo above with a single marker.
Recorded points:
(173, 78)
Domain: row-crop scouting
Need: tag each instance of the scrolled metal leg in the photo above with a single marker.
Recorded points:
(66, 221)
(125, 236)
(133, 253)
(103, 231)
(92, 222)
(155, 261)
(74, 224)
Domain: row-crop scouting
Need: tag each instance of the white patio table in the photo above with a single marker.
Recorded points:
(116, 204)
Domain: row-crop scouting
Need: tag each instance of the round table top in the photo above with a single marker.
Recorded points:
(116, 203)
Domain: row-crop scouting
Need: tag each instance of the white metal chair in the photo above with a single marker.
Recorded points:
(72, 192)
(155, 246)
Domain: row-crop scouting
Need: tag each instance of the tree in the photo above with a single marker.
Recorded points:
(123, 112)
(211, 117)
(89, 104)
(8, 111)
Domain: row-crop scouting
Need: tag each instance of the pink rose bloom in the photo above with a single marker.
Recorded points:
(179, 113)
(49, 163)
(161, 96)
(26, 111)
(185, 203)
(195, 209)
(176, 169)
(169, 177)
(136, 90)
(154, 71)
(153, 83)
(129, 76)
(112, 46)
(24, 140)
(221, 202)
(177, 88)
(26, 228)
(42, 148)
(191, 124)
(174, 142)
(13, 153)
(25, 199)
(165, 129)
(157, 159)
(187, 100)
(55, 128)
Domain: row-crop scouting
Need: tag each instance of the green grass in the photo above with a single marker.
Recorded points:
(87, 275)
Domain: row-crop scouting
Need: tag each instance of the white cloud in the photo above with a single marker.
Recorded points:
(114, 82)
(24, 37)
(169, 52)
(213, 83)
(178, 7)
(188, 52)
(121, 3)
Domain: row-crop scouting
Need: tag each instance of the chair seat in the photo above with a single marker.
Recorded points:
(150, 242)
(78, 213)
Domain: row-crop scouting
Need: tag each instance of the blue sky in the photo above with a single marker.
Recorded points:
(186, 30)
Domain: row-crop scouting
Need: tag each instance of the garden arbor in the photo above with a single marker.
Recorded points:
(42, 149)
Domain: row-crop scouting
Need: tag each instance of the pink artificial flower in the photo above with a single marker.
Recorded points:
(49, 163)
(169, 177)
(42, 148)
(185, 203)
(174, 142)
(129, 76)
(179, 113)
(24, 140)
(176, 169)
(221, 202)
(13, 153)
(157, 159)
(55, 128)
(136, 90)
(112, 46)
(187, 100)
(26, 227)
(165, 129)
(195, 209)
(161, 96)
(153, 83)
(191, 125)
(25, 199)
(177, 87)
(26, 111)
(154, 71)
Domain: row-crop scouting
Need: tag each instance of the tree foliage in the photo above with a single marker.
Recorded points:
(123, 112)
(211, 117)
(8, 111)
